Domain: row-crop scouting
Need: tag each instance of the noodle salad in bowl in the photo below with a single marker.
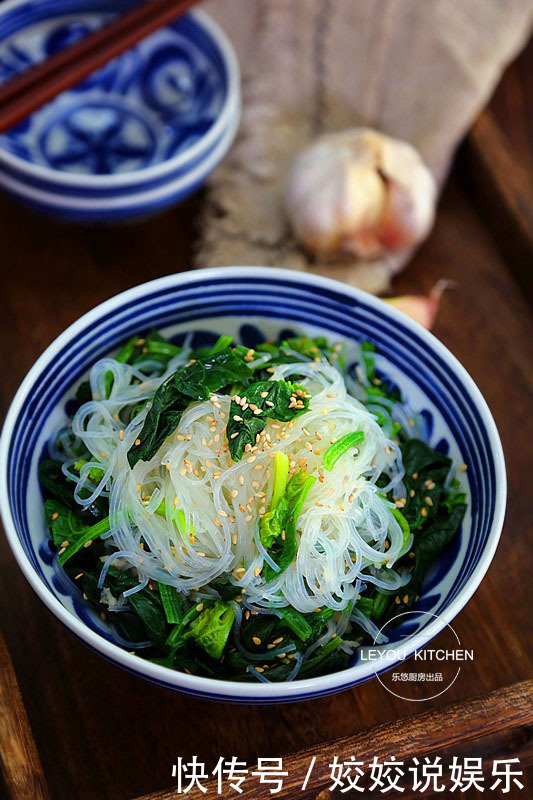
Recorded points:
(225, 497)
(254, 517)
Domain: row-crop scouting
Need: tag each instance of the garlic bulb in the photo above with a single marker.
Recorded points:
(360, 192)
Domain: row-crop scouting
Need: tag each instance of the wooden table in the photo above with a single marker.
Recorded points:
(103, 734)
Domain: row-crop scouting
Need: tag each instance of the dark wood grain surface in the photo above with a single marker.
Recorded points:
(457, 729)
(104, 734)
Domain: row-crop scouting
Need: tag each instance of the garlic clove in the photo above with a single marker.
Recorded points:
(315, 223)
(409, 209)
(423, 309)
(360, 209)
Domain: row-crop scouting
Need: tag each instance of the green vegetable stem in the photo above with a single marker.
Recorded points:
(340, 447)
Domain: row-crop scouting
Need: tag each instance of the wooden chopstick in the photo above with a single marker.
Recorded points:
(21, 767)
(496, 725)
(24, 93)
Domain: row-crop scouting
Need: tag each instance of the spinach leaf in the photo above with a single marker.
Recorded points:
(426, 471)
(88, 583)
(131, 627)
(235, 667)
(175, 637)
(52, 477)
(149, 609)
(326, 663)
(279, 400)
(86, 578)
(203, 376)
(189, 660)
(211, 628)
(318, 620)
(146, 607)
(242, 433)
(226, 590)
(262, 627)
(162, 419)
(120, 580)
(300, 348)
(454, 499)
(418, 456)
(326, 659)
(428, 545)
(65, 525)
(194, 381)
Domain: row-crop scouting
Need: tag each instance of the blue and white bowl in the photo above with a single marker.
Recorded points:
(139, 134)
(253, 303)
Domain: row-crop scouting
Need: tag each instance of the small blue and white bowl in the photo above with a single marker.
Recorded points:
(253, 303)
(139, 134)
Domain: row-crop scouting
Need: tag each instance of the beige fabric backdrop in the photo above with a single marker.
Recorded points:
(417, 69)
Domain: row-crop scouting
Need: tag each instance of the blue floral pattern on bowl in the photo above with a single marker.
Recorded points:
(144, 107)
(138, 135)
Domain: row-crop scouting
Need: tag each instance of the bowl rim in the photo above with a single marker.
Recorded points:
(227, 112)
(240, 690)
(131, 200)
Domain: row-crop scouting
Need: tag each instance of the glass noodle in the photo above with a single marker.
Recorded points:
(189, 515)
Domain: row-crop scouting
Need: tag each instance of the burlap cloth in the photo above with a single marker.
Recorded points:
(420, 70)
